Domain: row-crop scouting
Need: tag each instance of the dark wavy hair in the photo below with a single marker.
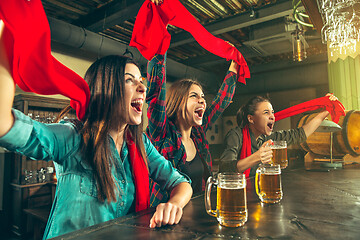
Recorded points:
(248, 108)
(106, 111)
(106, 79)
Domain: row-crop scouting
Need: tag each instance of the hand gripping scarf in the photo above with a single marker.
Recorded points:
(151, 37)
(33, 68)
(335, 108)
(141, 175)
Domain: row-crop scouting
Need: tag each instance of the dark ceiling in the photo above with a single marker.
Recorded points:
(260, 29)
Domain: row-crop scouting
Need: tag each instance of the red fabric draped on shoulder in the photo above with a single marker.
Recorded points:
(141, 175)
(34, 69)
(246, 147)
(151, 37)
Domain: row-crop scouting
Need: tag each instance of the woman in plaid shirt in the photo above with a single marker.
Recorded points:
(179, 120)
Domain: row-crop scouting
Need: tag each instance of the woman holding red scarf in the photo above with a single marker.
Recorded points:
(179, 119)
(256, 118)
(103, 163)
(178, 116)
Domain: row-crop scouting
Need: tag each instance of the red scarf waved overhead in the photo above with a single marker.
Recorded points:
(335, 108)
(33, 68)
(140, 174)
(151, 37)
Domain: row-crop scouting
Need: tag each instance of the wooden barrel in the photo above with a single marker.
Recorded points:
(346, 141)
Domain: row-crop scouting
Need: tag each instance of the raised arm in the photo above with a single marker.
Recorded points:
(155, 98)
(223, 98)
(7, 88)
(314, 123)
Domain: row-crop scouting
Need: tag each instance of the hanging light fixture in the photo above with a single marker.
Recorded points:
(298, 40)
(341, 29)
(299, 45)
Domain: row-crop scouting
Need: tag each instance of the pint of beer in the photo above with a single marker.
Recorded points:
(231, 207)
(279, 149)
(268, 183)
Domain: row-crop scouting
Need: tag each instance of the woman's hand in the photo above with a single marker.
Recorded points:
(171, 212)
(265, 152)
(324, 114)
(166, 213)
(331, 97)
(313, 124)
(233, 66)
(157, 2)
(263, 155)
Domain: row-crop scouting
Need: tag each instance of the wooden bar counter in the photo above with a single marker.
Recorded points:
(316, 205)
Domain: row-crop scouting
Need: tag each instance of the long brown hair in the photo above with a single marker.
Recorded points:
(106, 111)
(177, 96)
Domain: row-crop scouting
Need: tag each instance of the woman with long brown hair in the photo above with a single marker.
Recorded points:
(103, 163)
(179, 119)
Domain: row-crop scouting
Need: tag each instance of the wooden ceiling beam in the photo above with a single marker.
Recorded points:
(112, 14)
(312, 10)
(211, 59)
(264, 14)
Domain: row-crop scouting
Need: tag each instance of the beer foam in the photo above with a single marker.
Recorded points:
(271, 173)
(233, 186)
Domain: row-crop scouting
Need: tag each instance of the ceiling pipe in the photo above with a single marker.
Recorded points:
(76, 37)
(86, 40)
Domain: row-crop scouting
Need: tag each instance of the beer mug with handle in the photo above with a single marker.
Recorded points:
(268, 183)
(279, 149)
(231, 207)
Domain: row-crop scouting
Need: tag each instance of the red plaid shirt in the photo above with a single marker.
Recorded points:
(164, 134)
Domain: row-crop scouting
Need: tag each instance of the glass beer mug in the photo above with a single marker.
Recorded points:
(279, 149)
(268, 183)
(231, 207)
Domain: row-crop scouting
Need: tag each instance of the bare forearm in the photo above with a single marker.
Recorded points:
(181, 194)
(314, 123)
(7, 90)
(264, 155)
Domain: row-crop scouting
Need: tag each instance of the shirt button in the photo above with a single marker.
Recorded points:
(123, 181)
(122, 204)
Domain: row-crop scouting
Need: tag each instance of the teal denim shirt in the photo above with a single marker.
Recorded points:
(75, 204)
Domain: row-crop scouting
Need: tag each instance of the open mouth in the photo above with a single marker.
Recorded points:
(137, 105)
(270, 126)
(199, 112)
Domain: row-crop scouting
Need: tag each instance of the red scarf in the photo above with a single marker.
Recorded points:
(141, 175)
(34, 69)
(335, 108)
(151, 37)
(246, 147)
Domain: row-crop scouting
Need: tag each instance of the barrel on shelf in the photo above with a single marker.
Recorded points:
(346, 141)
